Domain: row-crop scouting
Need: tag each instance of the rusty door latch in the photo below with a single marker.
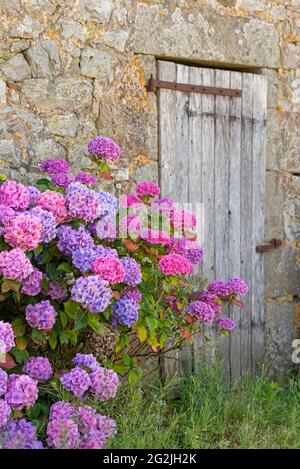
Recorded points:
(273, 244)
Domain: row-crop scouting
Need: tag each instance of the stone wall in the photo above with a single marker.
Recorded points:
(70, 70)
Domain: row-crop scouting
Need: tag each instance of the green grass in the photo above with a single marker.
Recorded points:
(252, 413)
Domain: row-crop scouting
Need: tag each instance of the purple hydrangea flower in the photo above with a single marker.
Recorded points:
(202, 311)
(48, 222)
(63, 434)
(61, 410)
(104, 383)
(87, 360)
(101, 428)
(6, 213)
(21, 391)
(7, 337)
(41, 315)
(69, 240)
(14, 195)
(54, 166)
(210, 299)
(82, 258)
(20, 434)
(226, 324)
(86, 178)
(125, 312)
(109, 205)
(82, 202)
(92, 292)
(219, 288)
(34, 194)
(237, 286)
(133, 274)
(132, 294)
(77, 381)
(31, 286)
(62, 180)
(5, 412)
(38, 368)
(105, 148)
(14, 265)
(3, 382)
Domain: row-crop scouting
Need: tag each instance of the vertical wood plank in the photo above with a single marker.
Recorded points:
(222, 197)
(258, 178)
(246, 217)
(234, 214)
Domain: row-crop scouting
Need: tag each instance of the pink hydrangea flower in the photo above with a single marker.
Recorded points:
(55, 203)
(14, 265)
(175, 264)
(147, 188)
(7, 337)
(14, 195)
(183, 220)
(104, 383)
(21, 391)
(23, 231)
(129, 200)
(130, 224)
(109, 269)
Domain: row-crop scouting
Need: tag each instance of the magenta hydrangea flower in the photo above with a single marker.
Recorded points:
(237, 286)
(38, 368)
(23, 232)
(82, 202)
(147, 188)
(130, 200)
(175, 264)
(130, 225)
(63, 434)
(86, 178)
(155, 236)
(132, 294)
(41, 315)
(31, 286)
(69, 240)
(57, 291)
(7, 337)
(77, 381)
(164, 205)
(133, 274)
(48, 223)
(92, 292)
(20, 434)
(6, 214)
(3, 379)
(104, 383)
(202, 311)
(55, 203)
(14, 195)
(183, 220)
(226, 324)
(5, 412)
(211, 300)
(62, 180)
(109, 268)
(54, 166)
(104, 148)
(61, 410)
(86, 359)
(125, 312)
(21, 391)
(186, 248)
(34, 194)
(14, 265)
(219, 288)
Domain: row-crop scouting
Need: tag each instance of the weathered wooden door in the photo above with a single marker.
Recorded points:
(212, 151)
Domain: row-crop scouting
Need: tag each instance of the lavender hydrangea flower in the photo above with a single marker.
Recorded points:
(5, 412)
(14, 195)
(104, 383)
(237, 286)
(63, 434)
(3, 382)
(48, 222)
(226, 324)
(92, 292)
(6, 213)
(82, 258)
(132, 294)
(82, 202)
(34, 194)
(7, 337)
(133, 274)
(105, 148)
(38, 368)
(77, 381)
(69, 240)
(31, 286)
(14, 265)
(54, 166)
(202, 311)
(86, 178)
(20, 434)
(61, 410)
(125, 312)
(41, 315)
(101, 428)
(21, 391)
(109, 205)
(88, 360)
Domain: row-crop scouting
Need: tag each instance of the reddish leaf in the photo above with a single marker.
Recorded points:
(191, 236)
(105, 176)
(8, 361)
(186, 334)
(130, 245)
(190, 319)
(155, 347)
(238, 303)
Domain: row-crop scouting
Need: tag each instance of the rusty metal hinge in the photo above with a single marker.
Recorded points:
(273, 244)
(154, 84)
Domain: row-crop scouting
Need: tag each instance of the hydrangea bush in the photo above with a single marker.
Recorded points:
(74, 259)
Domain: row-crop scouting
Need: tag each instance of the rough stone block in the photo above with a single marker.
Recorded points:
(116, 39)
(63, 125)
(282, 273)
(44, 59)
(16, 68)
(2, 92)
(274, 204)
(283, 141)
(97, 64)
